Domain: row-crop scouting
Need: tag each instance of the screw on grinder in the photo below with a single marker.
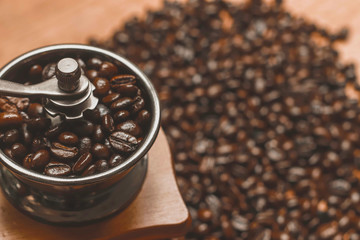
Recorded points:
(68, 93)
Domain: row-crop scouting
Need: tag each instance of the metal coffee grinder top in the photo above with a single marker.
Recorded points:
(68, 93)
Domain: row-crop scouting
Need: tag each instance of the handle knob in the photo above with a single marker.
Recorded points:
(68, 74)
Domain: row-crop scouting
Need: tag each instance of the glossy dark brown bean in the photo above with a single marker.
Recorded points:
(205, 214)
(57, 169)
(35, 71)
(121, 104)
(26, 134)
(89, 170)
(94, 63)
(122, 141)
(68, 138)
(83, 128)
(107, 123)
(240, 130)
(100, 151)
(102, 86)
(92, 74)
(143, 117)
(38, 124)
(83, 162)
(11, 136)
(115, 160)
(137, 105)
(54, 131)
(128, 90)
(103, 109)
(110, 98)
(121, 115)
(130, 127)
(62, 152)
(124, 79)
(8, 119)
(40, 159)
(39, 143)
(101, 165)
(18, 151)
(98, 134)
(27, 161)
(107, 69)
(35, 110)
(84, 145)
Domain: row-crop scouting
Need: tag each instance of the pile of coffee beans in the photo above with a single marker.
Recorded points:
(102, 139)
(265, 141)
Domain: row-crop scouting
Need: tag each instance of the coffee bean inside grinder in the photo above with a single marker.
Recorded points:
(99, 140)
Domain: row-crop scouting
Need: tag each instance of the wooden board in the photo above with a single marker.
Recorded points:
(157, 212)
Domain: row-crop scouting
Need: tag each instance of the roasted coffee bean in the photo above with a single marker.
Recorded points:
(40, 159)
(89, 170)
(101, 166)
(84, 145)
(57, 169)
(103, 110)
(260, 126)
(38, 124)
(35, 110)
(124, 79)
(121, 104)
(137, 105)
(35, 71)
(143, 117)
(82, 65)
(62, 152)
(204, 214)
(115, 160)
(129, 127)
(102, 86)
(107, 69)
(100, 151)
(39, 143)
(92, 74)
(26, 134)
(128, 90)
(54, 131)
(68, 138)
(20, 103)
(120, 81)
(107, 123)
(18, 151)
(11, 136)
(83, 128)
(94, 63)
(122, 141)
(121, 116)
(9, 119)
(83, 162)
(48, 71)
(27, 161)
(98, 134)
(110, 98)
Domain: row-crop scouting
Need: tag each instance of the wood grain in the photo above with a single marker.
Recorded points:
(157, 212)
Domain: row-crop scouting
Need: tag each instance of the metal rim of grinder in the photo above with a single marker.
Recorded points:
(65, 50)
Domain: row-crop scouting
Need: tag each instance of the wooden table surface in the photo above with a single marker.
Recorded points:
(25, 25)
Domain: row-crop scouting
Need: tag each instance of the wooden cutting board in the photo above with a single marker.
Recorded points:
(157, 212)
